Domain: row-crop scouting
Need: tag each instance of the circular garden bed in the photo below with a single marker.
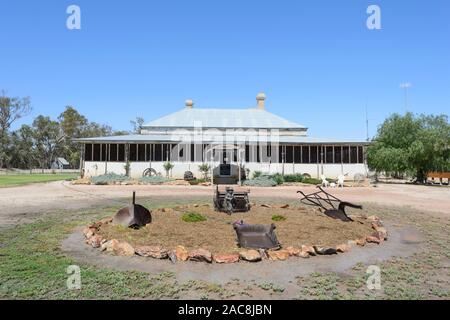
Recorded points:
(198, 233)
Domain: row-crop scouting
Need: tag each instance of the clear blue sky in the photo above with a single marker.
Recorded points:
(316, 60)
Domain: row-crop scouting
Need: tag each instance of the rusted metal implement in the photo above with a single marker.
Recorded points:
(188, 176)
(256, 236)
(133, 216)
(334, 207)
(230, 201)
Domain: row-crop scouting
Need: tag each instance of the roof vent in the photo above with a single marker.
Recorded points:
(189, 104)
(260, 99)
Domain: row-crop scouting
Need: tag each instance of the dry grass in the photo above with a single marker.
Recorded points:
(302, 226)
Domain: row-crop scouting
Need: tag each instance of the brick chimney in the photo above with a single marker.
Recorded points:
(189, 104)
(260, 99)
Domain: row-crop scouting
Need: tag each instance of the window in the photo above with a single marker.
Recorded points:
(141, 152)
(148, 152)
(192, 153)
(345, 154)
(113, 152)
(121, 153)
(281, 154)
(297, 154)
(360, 154)
(314, 152)
(353, 155)
(96, 152)
(329, 156)
(289, 154)
(247, 153)
(88, 152)
(305, 155)
(133, 152)
(158, 152)
(338, 154)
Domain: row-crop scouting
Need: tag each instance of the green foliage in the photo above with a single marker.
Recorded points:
(277, 177)
(411, 145)
(311, 181)
(195, 182)
(293, 178)
(153, 180)
(204, 169)
(257, 174)
(278, 217)
(262, 181)
(109, 178)
(193, 217)
(167, 167)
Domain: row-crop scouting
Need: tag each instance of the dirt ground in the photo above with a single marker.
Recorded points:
(20, 204)
(303, 226)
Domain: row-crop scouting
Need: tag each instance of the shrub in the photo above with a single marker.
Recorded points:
(293, 178)
(109, 178)
(204, 169)
(193, 217)
(196, 182)
(262, 181)
(277, 177)
(153, 180)
(167, 167)
(312, 181)
(278, 217)
(257, 174)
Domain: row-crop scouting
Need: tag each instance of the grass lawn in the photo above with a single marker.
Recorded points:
(13, 180)
(32, 266)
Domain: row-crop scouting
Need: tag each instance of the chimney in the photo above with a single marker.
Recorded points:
(189, 104)
(260, 98)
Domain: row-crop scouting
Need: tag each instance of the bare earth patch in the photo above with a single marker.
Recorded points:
(302, 226)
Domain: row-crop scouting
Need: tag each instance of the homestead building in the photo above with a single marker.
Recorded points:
(231, 141)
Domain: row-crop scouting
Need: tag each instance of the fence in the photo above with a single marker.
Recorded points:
(37, 171)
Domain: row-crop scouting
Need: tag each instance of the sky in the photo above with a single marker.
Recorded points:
(317, 61)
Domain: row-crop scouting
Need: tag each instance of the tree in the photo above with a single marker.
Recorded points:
(137, 124)
(72, 124)
(412, 145)
(11, 110)
(24, 153)
(48, 139)
(167, 167)
(204, 169)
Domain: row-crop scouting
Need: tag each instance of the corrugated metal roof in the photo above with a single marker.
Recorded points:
(142, 138)
(223, 118)
(63, 161)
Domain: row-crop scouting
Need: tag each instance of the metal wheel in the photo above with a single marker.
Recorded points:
(149, 172)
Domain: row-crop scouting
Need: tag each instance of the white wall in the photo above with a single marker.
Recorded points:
(137, 168)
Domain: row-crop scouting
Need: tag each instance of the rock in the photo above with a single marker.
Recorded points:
(106, 220)
(374, 238)
(81, 181)
(361, 242)
(181, 253)
(124, 249)
(266, 206)
(325, 250)
(263, 254)
(382, 232)
(343, 248)
(250, 255)
(109, 245)
(196, 205)
(285, 206)
(351, 243)
(95, 241)
(304, 254)
(282, 254)
(156, 252)
(172, 256)
(309, 250)
(89, 232)
(294, 251)
(200, 255)
(226, 258)
(167, 210)
(373, 218)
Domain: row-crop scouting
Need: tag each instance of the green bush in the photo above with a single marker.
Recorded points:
(262, 181)
(193, 217)
(196, 182)
(277, 177)
(153, 180)
(312, 181)
(109, 178)
(257, 174)
(278, 217)
(293, 178)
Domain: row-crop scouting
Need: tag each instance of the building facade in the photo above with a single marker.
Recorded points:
(230, 141)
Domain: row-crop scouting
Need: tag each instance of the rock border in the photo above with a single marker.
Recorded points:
(180, 253)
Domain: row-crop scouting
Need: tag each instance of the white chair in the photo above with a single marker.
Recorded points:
(325, 182)
(340, 182)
